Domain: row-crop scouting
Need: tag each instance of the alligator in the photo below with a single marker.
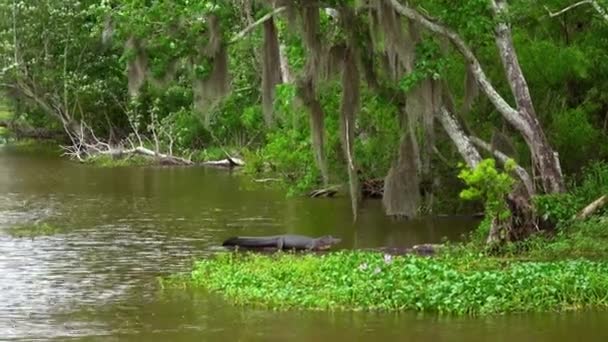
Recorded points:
(298, 242)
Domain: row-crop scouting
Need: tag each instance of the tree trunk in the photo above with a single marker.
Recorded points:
(545, 158)
(524, 117)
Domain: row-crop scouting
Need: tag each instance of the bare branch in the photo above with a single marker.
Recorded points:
(598, 8)
(260, 21)
(463, 143)
(602, 11)
(566, 9)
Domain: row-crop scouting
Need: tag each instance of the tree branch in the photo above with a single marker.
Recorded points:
(463, 143)
(510, 113)
(520, 171)
(598, 8)
(566, 9)
(258, 22)
(602, 11)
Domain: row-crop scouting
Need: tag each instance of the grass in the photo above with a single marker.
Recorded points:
(34, 230)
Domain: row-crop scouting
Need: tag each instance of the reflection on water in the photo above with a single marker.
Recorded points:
(126, 226)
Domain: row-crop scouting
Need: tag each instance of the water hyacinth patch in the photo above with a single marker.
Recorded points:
(373, 281)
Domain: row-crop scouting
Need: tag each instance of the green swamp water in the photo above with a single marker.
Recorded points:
(123, 227)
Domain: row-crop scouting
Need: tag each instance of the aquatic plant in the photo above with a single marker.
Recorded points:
(34, 230)
(461, 285)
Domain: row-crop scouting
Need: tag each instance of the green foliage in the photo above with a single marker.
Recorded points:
(488, 184)
(560, 208)
(593, 183)
(458, 15)
(576, 239)
(429, 64)
(464, 285)
(557, 208)
(573, 135)
(211, 153)
(569, 89)
(378, 136)
(5, 116)
(289, 153)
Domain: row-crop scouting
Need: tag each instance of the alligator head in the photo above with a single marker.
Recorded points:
(325, 242)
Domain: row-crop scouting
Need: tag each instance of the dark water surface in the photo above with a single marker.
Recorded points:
(123, 227)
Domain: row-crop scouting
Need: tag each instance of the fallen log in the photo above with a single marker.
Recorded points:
(592, 207)
(266, 180)
(140, 150)
(228, 162)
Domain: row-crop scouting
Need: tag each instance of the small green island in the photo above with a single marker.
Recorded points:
(565, 272)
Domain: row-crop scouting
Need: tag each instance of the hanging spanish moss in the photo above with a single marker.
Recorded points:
(137, 66)
(209, 91)
(413, 160)
(307, 86)
(312, 41)
(471, 91)
(306, 93)
(214, 38)
(348, 110)
(388, 27)
(108, 31)
(271, 71)
(401, 195)
(291, 11)
(427, 177)
(332, 62)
